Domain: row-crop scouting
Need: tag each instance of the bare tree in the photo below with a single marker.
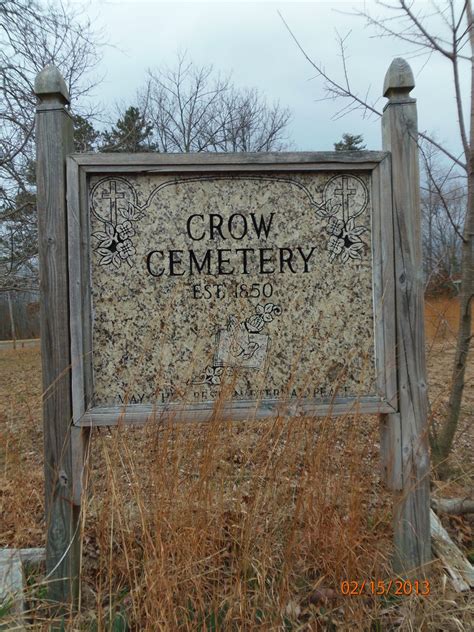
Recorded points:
(32, 35)
(443, 207)
(249, 124)
(194, 109)
(445, 30)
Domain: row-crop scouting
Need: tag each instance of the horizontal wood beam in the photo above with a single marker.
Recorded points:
(326, 160)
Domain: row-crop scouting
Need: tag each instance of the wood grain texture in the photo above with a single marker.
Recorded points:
(411, 504)
(383, 282)
(75, 289)
(54, 140)
(168, 161)
(391, 451)
(238, 411)
(453, 506)
(456, 565)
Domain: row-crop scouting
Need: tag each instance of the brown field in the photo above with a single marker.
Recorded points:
(248, 526)
(441, 318)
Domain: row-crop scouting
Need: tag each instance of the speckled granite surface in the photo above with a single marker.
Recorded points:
(262, 282)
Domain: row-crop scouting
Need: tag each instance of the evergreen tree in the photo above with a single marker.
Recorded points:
(350, 142)
(131, 134)
(85, 135)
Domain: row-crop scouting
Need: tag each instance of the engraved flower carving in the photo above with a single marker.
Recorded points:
(345, 239)
(108, 237)
(335, 226)
(131, 213)
(335, 246)
(109, 257)
(213, 375)
(353, 232)
(353, 251)
(125, 231)
(263, 314)
(115, 244)
(125, 249)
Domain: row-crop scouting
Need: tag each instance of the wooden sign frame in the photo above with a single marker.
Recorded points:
(80, 167)
(402, 402)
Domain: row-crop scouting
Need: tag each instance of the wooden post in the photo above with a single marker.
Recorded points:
(406, 437)
(54, 141)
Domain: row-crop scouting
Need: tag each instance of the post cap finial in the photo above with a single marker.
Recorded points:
(399, 78)
(50, 82)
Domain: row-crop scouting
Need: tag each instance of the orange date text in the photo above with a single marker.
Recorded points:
(397, 587)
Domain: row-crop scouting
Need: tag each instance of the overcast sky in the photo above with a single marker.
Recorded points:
(250, 40)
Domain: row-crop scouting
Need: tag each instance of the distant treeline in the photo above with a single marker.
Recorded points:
(19, 315)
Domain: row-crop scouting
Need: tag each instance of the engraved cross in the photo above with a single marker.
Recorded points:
(345, 192)
(113, 196)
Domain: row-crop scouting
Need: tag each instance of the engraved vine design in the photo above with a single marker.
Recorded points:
(115, 245)
(345, 197)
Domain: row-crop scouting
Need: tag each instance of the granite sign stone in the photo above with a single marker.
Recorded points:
(262, 282)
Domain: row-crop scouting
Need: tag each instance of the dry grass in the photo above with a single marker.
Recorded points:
(243, 526)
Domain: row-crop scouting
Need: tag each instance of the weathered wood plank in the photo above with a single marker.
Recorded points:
(391, 451)
(168, 161)
(457, 566)
(54, 141)
(75, 289)
(411, 504)
(238, 411)
(383, 282)
(453, 506)
(86, 299)
(390, 437)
